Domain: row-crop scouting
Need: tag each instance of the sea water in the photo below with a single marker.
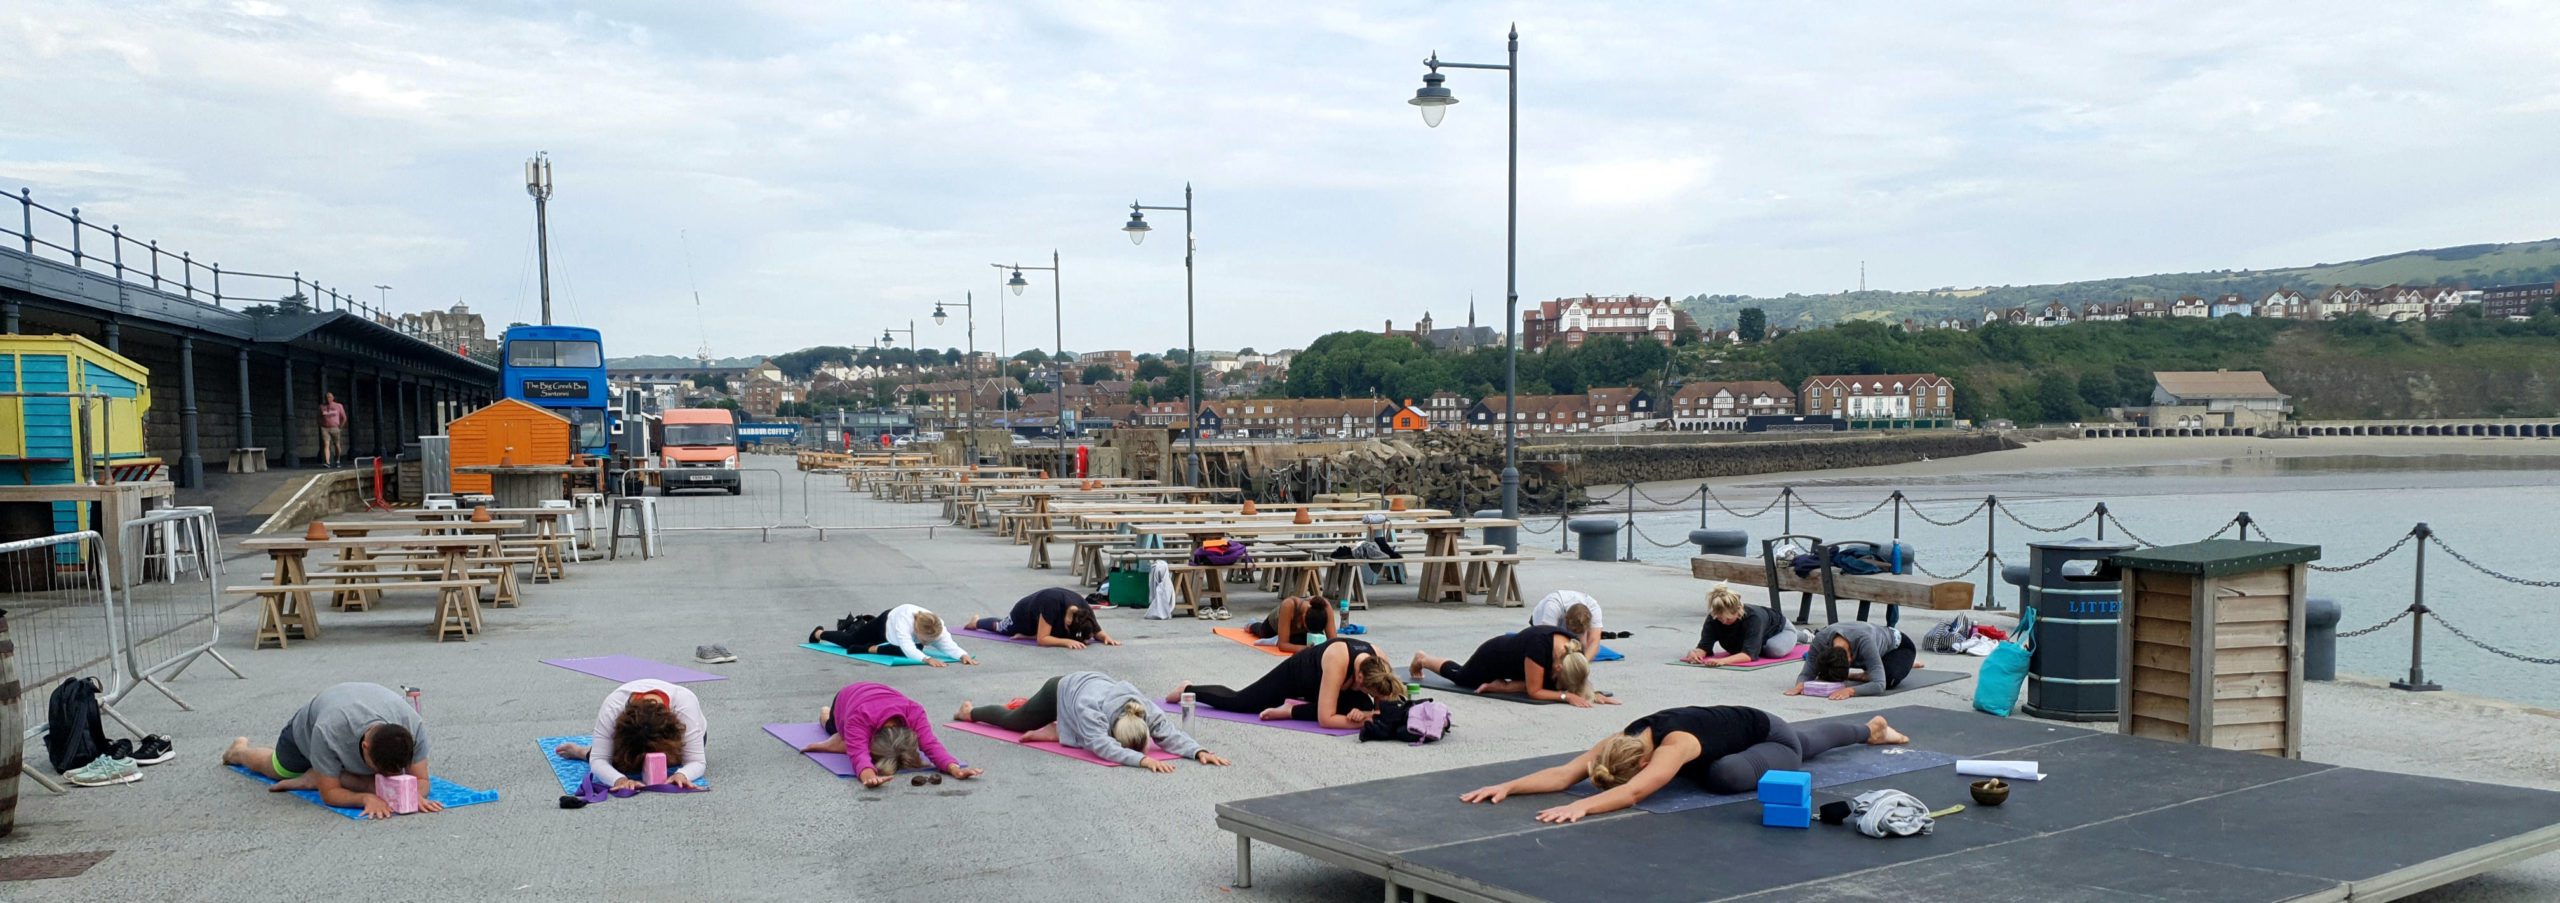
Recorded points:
(2503, 512)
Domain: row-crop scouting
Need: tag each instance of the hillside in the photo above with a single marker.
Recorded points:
(661, 361)
(2474, 265)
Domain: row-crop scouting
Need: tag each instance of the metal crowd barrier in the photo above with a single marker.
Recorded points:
(64, 625)
(170, 597)
(761, 504)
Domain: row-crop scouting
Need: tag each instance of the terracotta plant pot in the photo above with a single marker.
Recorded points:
(1991, 793)
(1303, 517)
(317, 532)
(479, 514)
(1248, 507)
(1396, 503)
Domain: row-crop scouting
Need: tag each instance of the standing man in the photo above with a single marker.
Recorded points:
(333, 429)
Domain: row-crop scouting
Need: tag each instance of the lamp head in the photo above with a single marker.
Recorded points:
(1017, 283)
(1433, 97)
(938, 316)
(1137, 227)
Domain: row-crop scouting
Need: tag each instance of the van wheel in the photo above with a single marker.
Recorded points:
(734, 490)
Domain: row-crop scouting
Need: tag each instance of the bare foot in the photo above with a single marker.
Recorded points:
(1276, 713)
(302, 782)
(232, 756)
(1415, 669)
(570, 751)
(1915, 666)
(1046, 733)
(1882, 734)
(964, 712)
(1176, 695)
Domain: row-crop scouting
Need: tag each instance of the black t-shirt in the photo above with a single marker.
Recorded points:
(1745, 635)
(1049, 605)
(1721, 730)
(1538, 644)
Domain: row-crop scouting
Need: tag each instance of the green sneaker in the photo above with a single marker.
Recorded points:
(103, 771)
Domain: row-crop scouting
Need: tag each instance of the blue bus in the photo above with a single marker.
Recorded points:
(561, 368)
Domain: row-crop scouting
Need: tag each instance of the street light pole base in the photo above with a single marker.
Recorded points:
(2421, 686)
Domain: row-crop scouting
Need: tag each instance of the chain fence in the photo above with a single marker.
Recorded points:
(1817, 512)
(2466, 637)
(2438, 542)
(2013, 518)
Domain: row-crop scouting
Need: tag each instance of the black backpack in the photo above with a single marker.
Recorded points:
(73, 734)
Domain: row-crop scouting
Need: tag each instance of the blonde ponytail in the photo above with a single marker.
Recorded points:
(1616, 761)
(1129, 729)
(1572, 673)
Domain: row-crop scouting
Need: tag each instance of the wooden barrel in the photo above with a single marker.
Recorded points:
(13, 752)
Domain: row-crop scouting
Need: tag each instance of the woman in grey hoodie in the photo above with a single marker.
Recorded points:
(1097, 713)
(1869, 658)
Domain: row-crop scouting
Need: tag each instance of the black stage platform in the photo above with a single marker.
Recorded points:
(2118, 819)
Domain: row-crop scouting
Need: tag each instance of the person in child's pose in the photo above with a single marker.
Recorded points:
(338, 742)
(1094, 712)
(894, 730)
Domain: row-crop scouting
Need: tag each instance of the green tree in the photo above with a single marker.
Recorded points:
(2057, 398)
(1153, 369)
(1094, 373)
(1752, 324)
(1033, 356)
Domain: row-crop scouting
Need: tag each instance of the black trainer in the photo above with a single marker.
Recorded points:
(153, 750)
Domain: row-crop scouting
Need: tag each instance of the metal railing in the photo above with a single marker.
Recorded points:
(63, 625)
(169, 595)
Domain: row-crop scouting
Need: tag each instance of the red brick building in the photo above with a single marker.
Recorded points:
(1891, 398)
(1573, 320)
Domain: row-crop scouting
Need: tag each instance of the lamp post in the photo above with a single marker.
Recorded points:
(969, 313)
(1138, 229)
(1435, 100)
(537, 182)
(1058, 304)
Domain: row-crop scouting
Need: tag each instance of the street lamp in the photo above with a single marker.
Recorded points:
(1138, 229)
(1058, 304)
(1434, 99)
(537, 182)
(969, 311)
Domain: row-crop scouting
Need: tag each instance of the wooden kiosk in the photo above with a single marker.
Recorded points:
(2211, 651)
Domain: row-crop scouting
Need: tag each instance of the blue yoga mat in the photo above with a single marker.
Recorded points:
(1607, 654)
(573, 772)
(893, 661)
(452, 795)
(1831, 769)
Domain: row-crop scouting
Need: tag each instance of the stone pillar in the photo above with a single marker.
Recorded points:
(402, 425)
(9, 317)
(292, 454)
(248, 432)
(114, 330)
(377, 414)
(190, 457)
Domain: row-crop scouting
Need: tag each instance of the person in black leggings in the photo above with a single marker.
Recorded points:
(1545, 663)
(1341, 680)
(1722, 749)
(1288, 626)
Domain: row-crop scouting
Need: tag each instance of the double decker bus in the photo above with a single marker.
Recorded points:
(561, 368)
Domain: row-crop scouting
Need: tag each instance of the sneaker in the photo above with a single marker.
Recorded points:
(153, 750)
(1223, 614)
(725, 654)
(711, 655)
(1804, 636)
(103, 771)
(1205, 613)
(119, 748)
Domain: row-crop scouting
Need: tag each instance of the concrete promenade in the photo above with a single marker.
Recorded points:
(1036, 826)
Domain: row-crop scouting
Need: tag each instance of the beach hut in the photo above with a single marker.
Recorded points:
(507, 432)
(70, 413)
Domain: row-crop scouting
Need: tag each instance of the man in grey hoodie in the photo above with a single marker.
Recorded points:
(1871, 658)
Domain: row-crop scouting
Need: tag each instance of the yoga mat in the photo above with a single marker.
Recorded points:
(1286, 724)
(1049, 746)
(1246, 637)
(1432, 680)
(1607, 654)
(573, 772)
(1831, 769)
(1928, 677)
(625, 669)
(998, 637)
(893, 661)
(804, 733)
(1792, 656)
(452, 795)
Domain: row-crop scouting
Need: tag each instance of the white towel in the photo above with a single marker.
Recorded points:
(2011, 770)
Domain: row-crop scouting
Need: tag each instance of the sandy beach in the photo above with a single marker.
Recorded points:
(2070, 454)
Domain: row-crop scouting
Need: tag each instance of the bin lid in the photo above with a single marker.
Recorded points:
(2083, 544)
(2217, 557)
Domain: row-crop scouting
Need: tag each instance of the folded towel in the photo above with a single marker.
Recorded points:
(2013, 770)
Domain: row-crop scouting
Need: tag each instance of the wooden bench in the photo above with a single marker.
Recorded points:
(1041, 538)
(249, 459)
(282, 611)
(1890, 590)
(495, 571)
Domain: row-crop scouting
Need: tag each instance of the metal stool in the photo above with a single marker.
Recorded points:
(644, 525)
(173, 546)
(590, 514)
(479, 500)
(564, 505)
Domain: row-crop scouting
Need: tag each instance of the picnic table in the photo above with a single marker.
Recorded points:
(289, 593)
(1442, 563)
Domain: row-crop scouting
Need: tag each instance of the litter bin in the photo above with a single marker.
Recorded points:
(2214, 638)
(2078, 600)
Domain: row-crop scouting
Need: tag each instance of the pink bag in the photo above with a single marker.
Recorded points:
(398, 790)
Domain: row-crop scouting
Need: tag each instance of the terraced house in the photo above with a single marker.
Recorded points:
(1882, 401)
(1722, 406)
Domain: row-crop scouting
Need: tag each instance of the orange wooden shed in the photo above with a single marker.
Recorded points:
(507, 432)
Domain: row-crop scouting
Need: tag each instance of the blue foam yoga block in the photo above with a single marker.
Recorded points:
(1776, 816)
(1787, 788)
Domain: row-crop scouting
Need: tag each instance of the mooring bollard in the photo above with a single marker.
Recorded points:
(1721, 542)
(2320, 638)
(1599, 537)
(1506, 537)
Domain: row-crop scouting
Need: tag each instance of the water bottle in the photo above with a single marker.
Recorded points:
(414, 704)
(1189, 703)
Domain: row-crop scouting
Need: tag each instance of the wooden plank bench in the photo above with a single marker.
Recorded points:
(1041, 538)
(249, 459)
(281, 609)
(1890, 590)
(496, 571)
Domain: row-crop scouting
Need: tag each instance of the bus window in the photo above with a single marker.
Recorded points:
(544, 353)
(589, 423)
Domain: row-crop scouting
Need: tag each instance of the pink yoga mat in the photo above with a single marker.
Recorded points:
(1290, 724)
(624, 669)
(998, 637)
(1015, 738)
(1793, 655)
(805, 733)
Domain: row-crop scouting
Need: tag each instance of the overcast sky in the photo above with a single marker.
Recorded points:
(831, 169)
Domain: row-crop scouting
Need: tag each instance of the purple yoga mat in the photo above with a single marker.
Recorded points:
(804, 733)
(1291, 724)
(624, 669)
(998, 637)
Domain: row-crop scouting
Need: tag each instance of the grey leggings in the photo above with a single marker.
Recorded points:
(1041, 710)
(1779, 645)
(1786, 749)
